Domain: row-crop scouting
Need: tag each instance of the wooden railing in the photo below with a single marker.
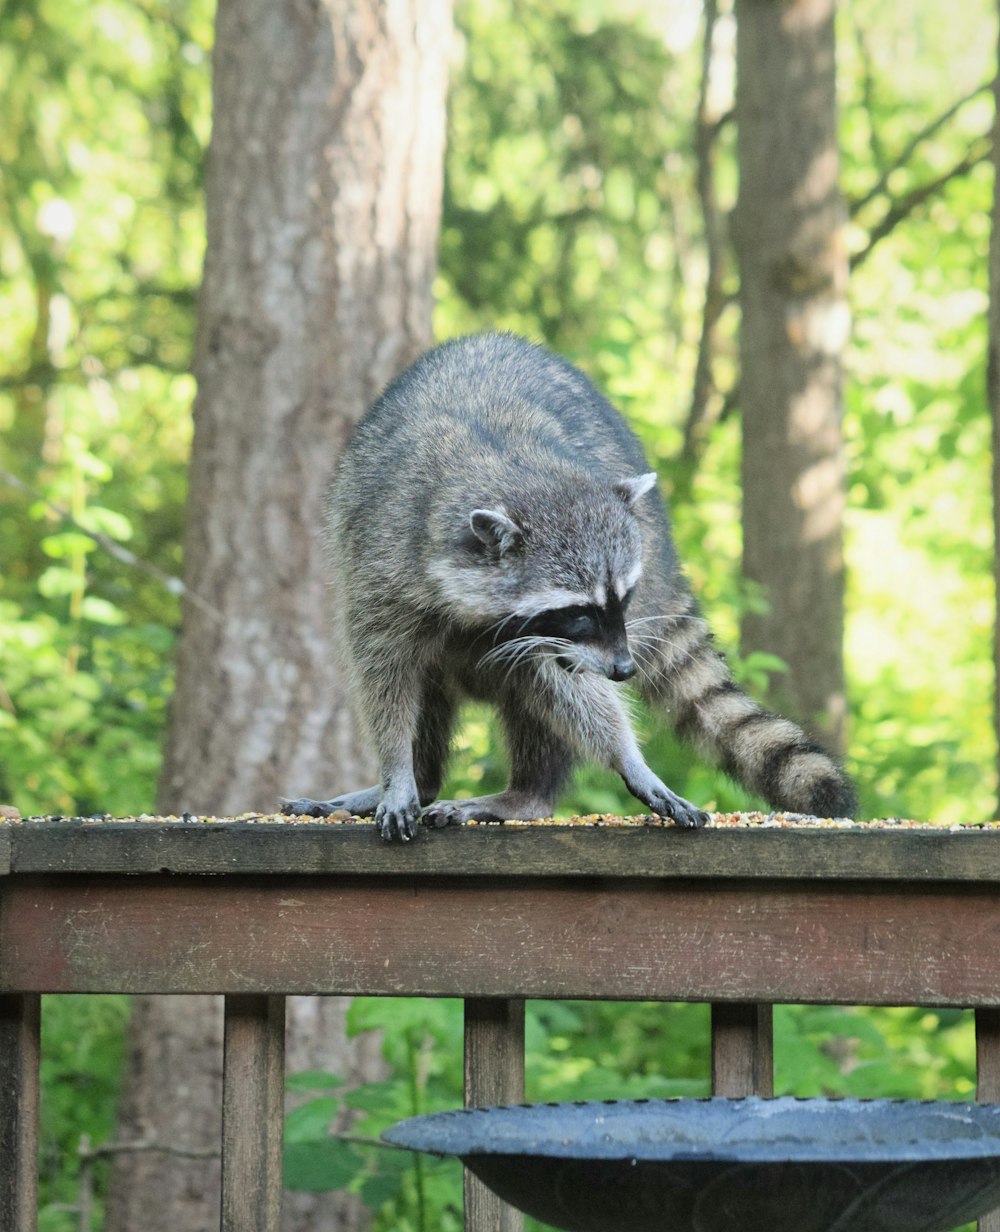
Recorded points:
(741, 918)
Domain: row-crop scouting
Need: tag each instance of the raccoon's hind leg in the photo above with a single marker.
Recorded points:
(540, 765)
(430, 746)
(430, 751)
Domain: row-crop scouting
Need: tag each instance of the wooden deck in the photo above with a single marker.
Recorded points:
(740, 917)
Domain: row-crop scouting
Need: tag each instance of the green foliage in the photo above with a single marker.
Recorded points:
(90, 699)
(559, 201)
(422, 1045)
(106, 113)
(105, 118)
(569, 214)
(562, 190)
(82, 1050)
(920, 602)
(607, 1050)
(901, 1053)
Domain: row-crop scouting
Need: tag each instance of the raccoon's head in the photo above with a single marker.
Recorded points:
(553, 570)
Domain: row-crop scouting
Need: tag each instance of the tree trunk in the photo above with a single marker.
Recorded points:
(993, 393)
(323, 197)
(706, 404)
(789, 234)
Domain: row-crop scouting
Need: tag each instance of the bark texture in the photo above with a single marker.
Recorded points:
(323, 190)
(323, 203)
(789, 234)
(993, 393)
(171, 1102)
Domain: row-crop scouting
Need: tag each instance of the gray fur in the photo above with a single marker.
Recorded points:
(490, 492)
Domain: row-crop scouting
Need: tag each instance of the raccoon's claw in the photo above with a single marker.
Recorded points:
(683, 813)
(666, 803)
(398, 823)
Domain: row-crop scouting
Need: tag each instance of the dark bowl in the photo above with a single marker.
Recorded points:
(716, 1165)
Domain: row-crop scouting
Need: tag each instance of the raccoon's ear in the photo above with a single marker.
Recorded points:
(631, 489)
(494, 529)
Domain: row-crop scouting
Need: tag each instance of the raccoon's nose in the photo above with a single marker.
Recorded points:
(621, 669)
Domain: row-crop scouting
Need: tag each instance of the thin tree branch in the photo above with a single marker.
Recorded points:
(88, 1153)
(917, 140)
(173, 584)
(902, 207)
(88, 1156)
(706, 135)
(868, 95)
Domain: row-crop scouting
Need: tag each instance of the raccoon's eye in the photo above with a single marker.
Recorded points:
(578, 624)
(581, 627)
(627, 600)
(575, 624)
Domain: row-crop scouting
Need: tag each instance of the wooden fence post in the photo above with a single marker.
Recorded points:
(252, 1113)
(742, 1049)
(988, 1080)
(20, 1020)
(494, 1074)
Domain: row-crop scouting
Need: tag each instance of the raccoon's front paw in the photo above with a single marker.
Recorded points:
(667, 803)
(681, 811)
(397, 822)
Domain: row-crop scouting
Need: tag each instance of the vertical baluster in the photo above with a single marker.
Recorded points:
(252, 1113)
(988, 1080)
(20, 1020)
(742, 1049)
(494, 1074)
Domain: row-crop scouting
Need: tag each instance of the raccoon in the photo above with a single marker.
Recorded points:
(496, 535)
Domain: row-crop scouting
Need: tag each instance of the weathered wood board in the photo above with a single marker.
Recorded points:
(813, 852)
(252, 1113)
(20, 1023)
(635, 938)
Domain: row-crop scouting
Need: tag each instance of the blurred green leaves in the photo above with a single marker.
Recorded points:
(106, 115)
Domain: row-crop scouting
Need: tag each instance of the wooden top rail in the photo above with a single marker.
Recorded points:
(818, 851)
(892, 915)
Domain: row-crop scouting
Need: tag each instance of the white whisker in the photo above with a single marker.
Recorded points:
(642, 620)
(645, 661)
(517, 650)
(498, 626)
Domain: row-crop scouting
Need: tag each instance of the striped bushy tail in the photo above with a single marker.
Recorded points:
(684, 675)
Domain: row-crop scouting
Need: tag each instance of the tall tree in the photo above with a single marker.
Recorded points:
(789, 236)
(323, 198)
(993, 394)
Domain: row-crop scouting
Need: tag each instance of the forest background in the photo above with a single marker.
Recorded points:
(573, 212)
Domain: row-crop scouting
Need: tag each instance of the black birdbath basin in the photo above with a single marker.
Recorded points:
(717, 1165)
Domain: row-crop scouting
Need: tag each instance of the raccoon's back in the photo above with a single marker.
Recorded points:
(491, 396)
(474, 423)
